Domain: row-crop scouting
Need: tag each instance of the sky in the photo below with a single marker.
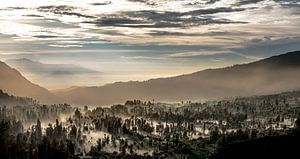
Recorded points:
(123, 40)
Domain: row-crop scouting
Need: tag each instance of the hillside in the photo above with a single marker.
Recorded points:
(270, 75)
(12, 82)
(10, 100)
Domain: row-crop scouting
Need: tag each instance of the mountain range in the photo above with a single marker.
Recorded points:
(271, 75)
(12, 82)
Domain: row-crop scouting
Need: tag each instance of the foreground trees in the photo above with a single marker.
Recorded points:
(32, 145)
(274, 147)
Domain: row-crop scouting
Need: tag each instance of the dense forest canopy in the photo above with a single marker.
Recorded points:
(148, 129)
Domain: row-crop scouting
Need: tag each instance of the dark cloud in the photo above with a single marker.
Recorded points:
(16, 8)
(33, 15)
(151, 3)
(126, 22)
(77, 14)
(169, 33)
(116, 21)
(212, 1)
(287, 2)
(45, 36)
(108, 32)
(155, 19)
(246, 2)
(213, 11)
(56, 9)
(293, 5)
(194, 3)
(12, 8)
(155, 15)
(102, 3)
(63, 10)
(214, 33)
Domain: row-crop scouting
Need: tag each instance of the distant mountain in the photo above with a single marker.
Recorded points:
(12, 82)
(27, 65)
(270, 75)
(53, 75)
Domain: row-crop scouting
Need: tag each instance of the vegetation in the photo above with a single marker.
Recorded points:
(250, 127)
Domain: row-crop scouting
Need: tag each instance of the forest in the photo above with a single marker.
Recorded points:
(241, 127)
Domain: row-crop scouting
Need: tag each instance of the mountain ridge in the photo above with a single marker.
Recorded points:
(270, 75)
(13, 82)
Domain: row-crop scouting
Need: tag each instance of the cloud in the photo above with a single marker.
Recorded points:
(102, 3)
(63, 10)
(56, 9)
(216, 55)
(123, 25)
(172, 33)
(141, 58)
(213, 11)
(45, 36)
(117, 21)
(64, 46)
(198, 53)
(288, 2)
(166, 19)
(267, 46)
(16, 8)
(147, 2)
(246, 2)
(34, 15)
(195, 3)
(190, 34)
(217, 60)
(212, 1)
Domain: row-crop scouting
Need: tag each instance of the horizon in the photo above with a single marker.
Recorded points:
(133, 40)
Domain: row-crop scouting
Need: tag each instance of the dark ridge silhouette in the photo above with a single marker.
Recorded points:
(271, 75)
(12, 82)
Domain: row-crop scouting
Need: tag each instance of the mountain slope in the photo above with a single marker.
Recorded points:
(12, 82)
(52, 75)
(10, 100)
(271, 75)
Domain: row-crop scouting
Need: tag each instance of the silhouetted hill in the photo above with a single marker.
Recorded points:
(271, 75)
(290, 59)
(12, 82)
